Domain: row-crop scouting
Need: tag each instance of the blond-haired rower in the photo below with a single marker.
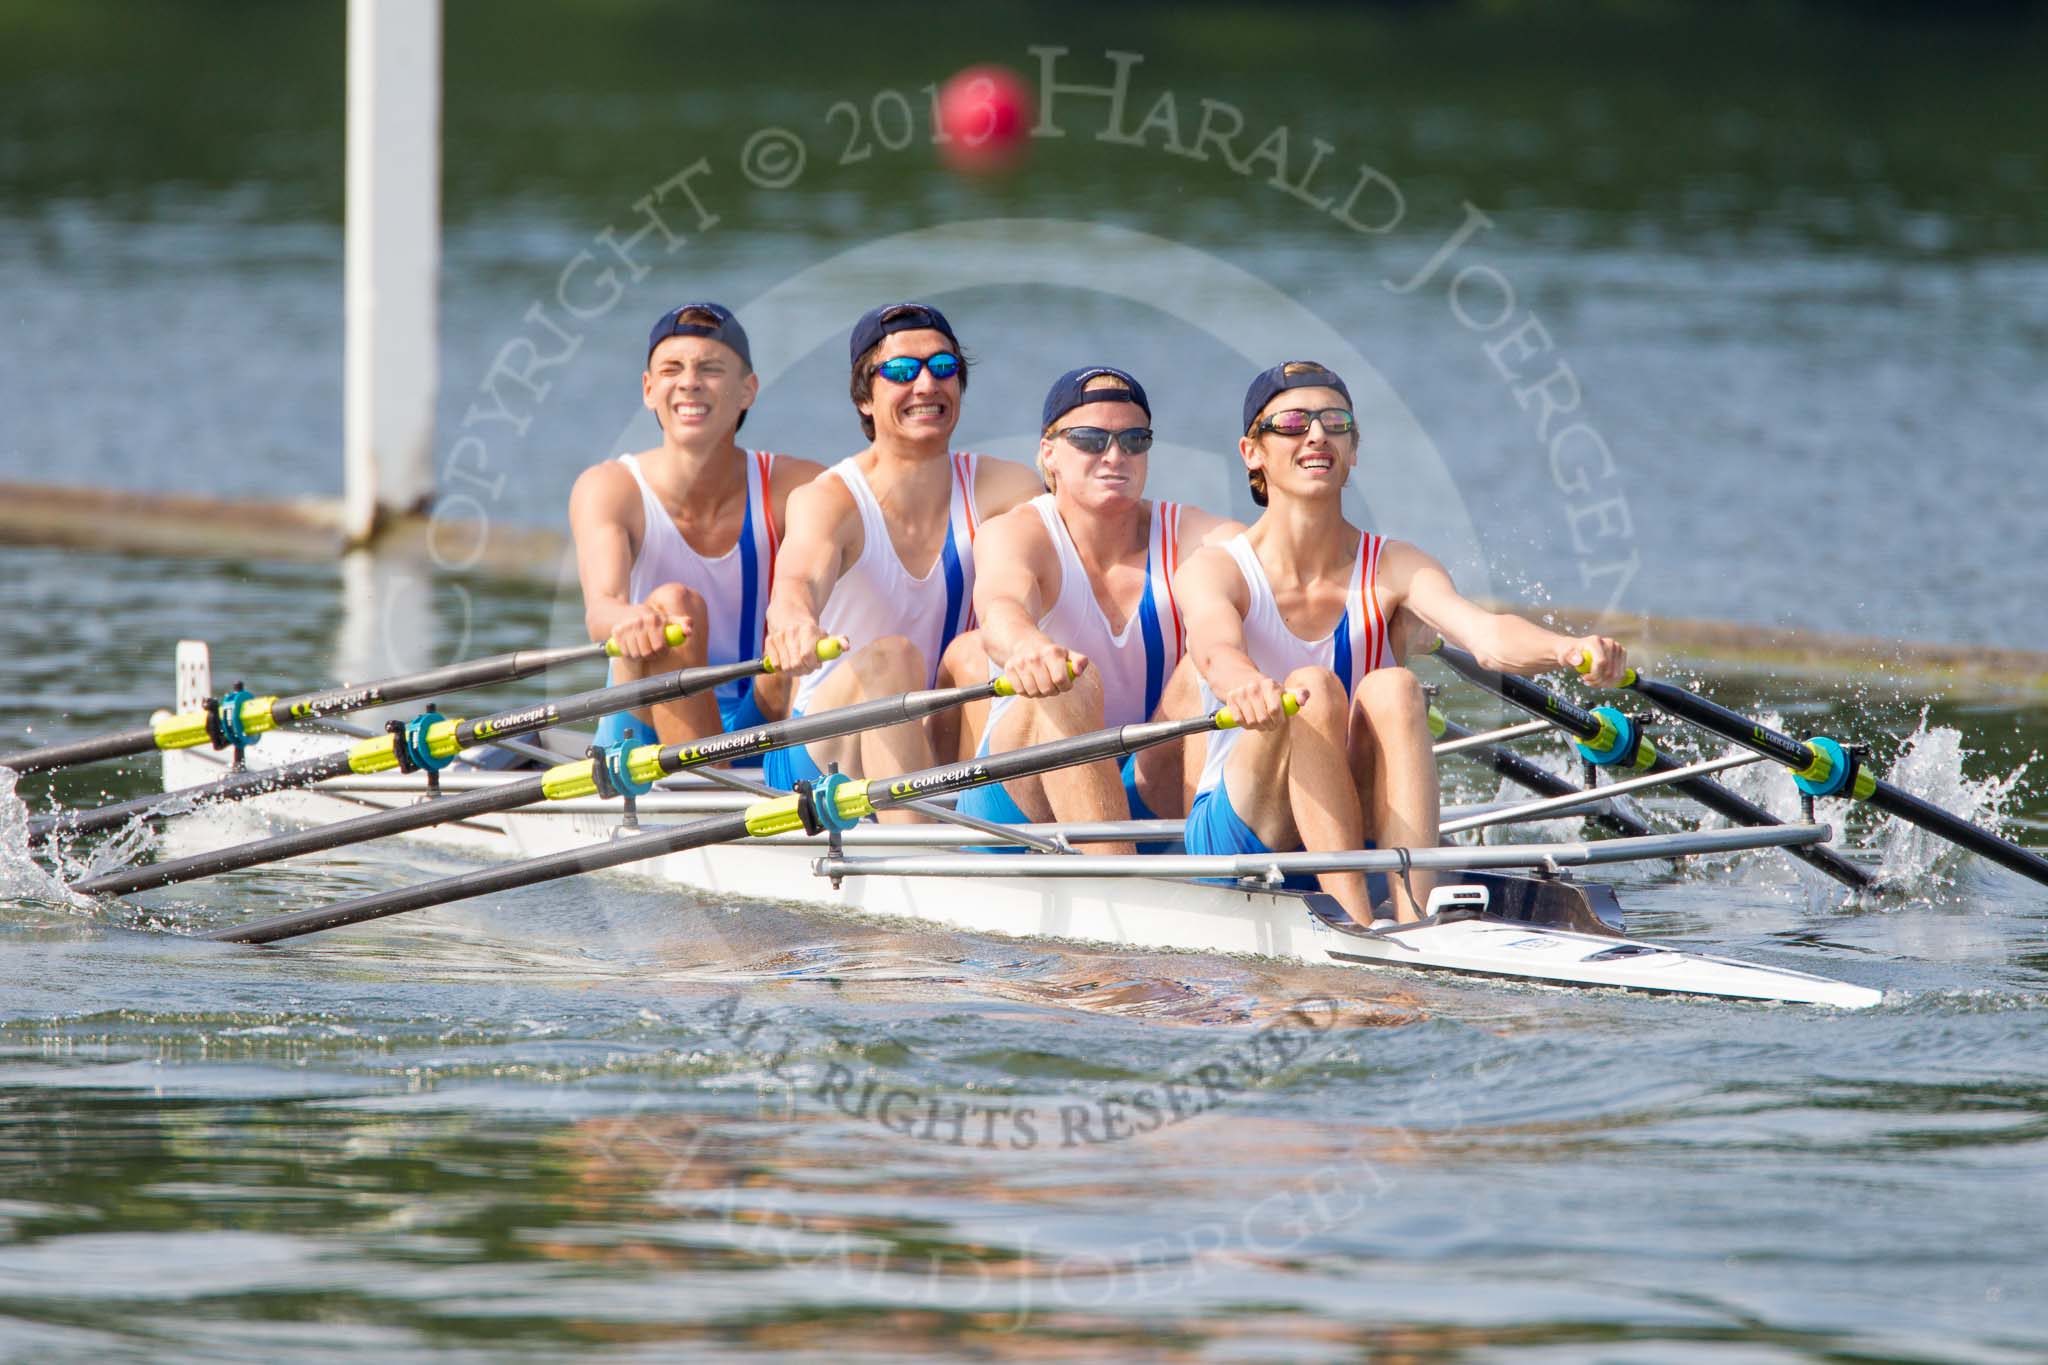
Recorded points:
(1074, 594)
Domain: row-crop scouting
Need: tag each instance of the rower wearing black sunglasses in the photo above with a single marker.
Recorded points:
(1306, 602)
(880, 549)
(1074, 594)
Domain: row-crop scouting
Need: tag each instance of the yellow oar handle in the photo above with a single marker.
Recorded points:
(380, 753)
(829, 648)
(1006, 688)
(1584, 665)
(675, 632)
(187, 729)
(1225, 720)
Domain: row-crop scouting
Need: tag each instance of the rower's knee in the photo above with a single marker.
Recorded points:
(965, 662)
(1323, 702)
(892, 664)
(1072, 712)
(684, 603)
(1391, 698)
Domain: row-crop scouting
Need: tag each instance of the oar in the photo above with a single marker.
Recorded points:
(1611, 733)
(1824, 767)
(1521, 771)
(429, 741)
(564, 782)
(837, 802)
(241, 716)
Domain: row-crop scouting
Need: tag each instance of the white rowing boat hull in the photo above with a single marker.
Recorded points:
(1548, 947)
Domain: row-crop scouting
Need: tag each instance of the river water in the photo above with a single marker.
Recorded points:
(606, 1120)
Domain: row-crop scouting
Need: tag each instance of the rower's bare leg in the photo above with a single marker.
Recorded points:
(956, 731)
(1394, 766)
(1292, 786)
(883, 668)
(689, 718)
(1089, 792)
(1319, 787)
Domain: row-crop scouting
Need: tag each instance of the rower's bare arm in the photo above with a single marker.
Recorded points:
(1213, 600)
(604, 509)
(821, 540)
(1000, 485)
(1199, 528)
(785, 476)
(1499, 640)
(1014, 568)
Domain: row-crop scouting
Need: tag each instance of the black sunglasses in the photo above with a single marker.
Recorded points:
(1095, 440)
(1295, 421)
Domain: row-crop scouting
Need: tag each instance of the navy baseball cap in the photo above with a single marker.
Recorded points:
(909, 317)
(1271, 383)
(728, 330)
(1071, 391)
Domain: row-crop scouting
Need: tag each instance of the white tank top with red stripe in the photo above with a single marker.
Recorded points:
(878, 597)
(1357, 644)
(1135, 662)
(734, 585)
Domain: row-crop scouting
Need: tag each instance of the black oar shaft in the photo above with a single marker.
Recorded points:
(118, 745)
(331, 701)
(592, 858)
(1574, 719)
(502, 668)
(1523, 773)
(1892, 800)
(253, 782)
(319, 838)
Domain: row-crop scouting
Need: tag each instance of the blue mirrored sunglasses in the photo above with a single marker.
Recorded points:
(903, 368)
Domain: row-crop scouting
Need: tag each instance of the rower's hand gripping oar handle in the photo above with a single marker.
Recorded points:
(829, 648)
(1005, 687)
(675, 632)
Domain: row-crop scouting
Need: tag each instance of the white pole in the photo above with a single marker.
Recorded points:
(393, 257)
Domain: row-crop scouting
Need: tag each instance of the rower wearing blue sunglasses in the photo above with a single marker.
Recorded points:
(880, 549)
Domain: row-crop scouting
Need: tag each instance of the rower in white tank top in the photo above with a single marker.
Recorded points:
(734, 585)
(878, 597)
(1133, 664)
(1359, 643)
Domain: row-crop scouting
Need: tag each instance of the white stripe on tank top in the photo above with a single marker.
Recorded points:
(878, 597)
(1134, 663)
(734, 585)
(1356, 645)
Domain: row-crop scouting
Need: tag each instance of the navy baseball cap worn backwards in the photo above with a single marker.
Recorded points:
(1276, 381)
(908, 317)
(1071, 391)
(674, 324)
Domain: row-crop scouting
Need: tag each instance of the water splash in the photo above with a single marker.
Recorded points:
(1930, 765)
(22, 878)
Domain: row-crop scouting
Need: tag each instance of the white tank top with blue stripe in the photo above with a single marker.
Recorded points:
(878, 597)
(1357, 644)
(1134, 663)
(734, 585)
